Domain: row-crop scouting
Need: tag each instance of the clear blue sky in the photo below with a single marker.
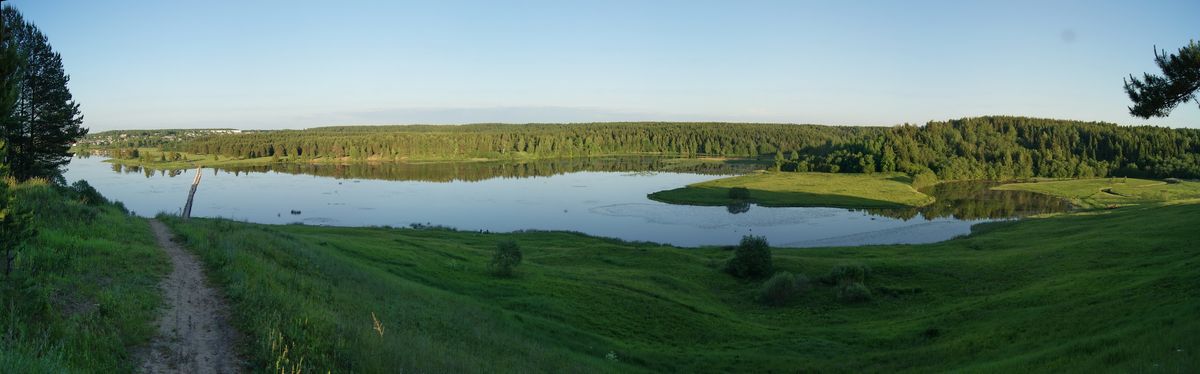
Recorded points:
(296, 64)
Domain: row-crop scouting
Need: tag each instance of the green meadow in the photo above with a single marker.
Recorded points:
(1107, 290)
(1096, 290)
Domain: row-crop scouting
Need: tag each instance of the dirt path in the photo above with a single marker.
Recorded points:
(193, 333)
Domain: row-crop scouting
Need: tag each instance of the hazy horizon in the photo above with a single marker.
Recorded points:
(274, 64)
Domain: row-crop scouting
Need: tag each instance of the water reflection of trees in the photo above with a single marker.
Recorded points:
(478, 171)
(976, 200)
(738, 207)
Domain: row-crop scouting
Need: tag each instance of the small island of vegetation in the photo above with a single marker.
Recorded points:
(879, 190)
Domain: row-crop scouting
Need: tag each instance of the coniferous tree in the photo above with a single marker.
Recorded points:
(1157, 95)
(46, 119)
(10, 64)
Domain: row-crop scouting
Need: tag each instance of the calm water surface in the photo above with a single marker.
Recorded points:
(603, 198)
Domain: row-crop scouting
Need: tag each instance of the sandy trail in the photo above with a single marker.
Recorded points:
(194, 335)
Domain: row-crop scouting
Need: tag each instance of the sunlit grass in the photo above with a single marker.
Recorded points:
(1105, 192)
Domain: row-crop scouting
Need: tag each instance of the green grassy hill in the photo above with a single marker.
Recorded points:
(83, 295)
(1111, 291)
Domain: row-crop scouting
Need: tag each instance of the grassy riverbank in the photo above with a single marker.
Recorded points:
(1109, 290)
(1104, 192)
(881, 190)
(83, 294)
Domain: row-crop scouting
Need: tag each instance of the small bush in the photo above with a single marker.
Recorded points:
(739, 193)
(751, 259)
(506, 258)
(848, 273)
(854, 292)
(782, 287)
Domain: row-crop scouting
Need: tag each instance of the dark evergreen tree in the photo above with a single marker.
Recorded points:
(1157, 95)
(10, 64)
(46, 120)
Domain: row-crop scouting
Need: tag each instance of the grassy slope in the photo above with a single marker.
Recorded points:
(1102, 192)
(84, 294)
(1104, 291)
(882, 190)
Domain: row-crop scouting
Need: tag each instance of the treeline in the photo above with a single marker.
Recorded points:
(995, 147)
(1000, 148)
(496, 141)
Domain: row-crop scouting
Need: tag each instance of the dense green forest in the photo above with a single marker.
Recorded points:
(532, 140)
(1014, 147)
(995, 147)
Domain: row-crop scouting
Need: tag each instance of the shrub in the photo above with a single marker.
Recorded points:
(848, 273)
(739, 193)
(782, 287)
(87, 194)
(924, 179)
(751, 259)
(506, 258)
(854, 292)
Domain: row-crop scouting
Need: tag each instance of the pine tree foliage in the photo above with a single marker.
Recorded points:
(1157, 95)
(46, 120)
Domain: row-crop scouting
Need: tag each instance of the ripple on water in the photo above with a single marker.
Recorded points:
(715, 217)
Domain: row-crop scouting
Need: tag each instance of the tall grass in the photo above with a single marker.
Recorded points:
(84, 292)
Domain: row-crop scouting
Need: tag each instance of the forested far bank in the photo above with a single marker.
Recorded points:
(994, 147)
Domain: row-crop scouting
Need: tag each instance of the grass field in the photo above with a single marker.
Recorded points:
(1104, 192)
(84, 294)
(883, 190)
(1100, 291)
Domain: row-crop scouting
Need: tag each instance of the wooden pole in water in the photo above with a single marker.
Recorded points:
(187, 209)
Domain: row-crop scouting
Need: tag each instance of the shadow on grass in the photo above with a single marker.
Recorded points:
(904, 178)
